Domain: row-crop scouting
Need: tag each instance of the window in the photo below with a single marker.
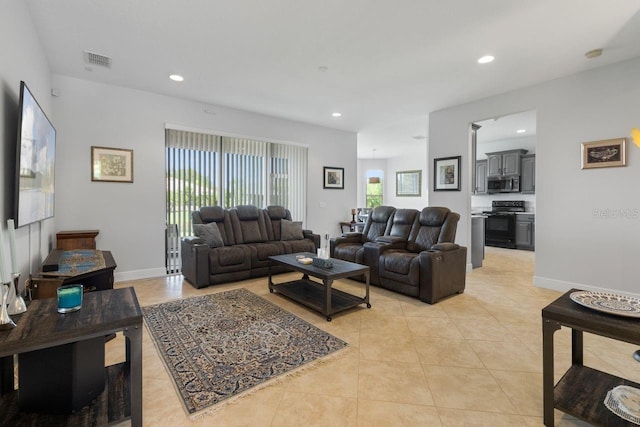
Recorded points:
(208, 170)
(374, 188)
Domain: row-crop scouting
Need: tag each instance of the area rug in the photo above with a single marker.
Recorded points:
(219, 346)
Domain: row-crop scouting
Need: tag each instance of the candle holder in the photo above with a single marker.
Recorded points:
(69, 298)
(15, 302)
(5, 321)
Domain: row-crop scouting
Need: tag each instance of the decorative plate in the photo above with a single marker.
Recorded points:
(608, 303)
(624, 401)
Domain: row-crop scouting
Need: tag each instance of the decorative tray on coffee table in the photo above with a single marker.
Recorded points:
(608, 303)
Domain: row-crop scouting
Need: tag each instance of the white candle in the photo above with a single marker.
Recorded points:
(3, 273)
(11, 227)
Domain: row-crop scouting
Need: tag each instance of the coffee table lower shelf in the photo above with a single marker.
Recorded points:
(311, 294)
(112, 406)
(581, 393)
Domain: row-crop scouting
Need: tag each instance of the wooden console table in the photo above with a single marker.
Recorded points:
(42, 327)
(582, 390)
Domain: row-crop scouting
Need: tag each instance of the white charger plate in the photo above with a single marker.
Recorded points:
(608, 303)
(624, 401)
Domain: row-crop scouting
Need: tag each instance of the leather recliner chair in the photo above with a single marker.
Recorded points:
(430, 266)
(350, 246)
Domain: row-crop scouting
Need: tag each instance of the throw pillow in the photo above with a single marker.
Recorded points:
(291, 230)
(209, 233)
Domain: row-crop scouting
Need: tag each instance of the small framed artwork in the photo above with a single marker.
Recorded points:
(604, 154)
(446, 173)
(111, 164)
(408, 183)
(333, 178)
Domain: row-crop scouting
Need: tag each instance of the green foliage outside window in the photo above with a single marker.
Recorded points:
(374, 195)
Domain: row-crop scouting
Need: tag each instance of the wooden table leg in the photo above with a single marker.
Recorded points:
(6, 375)
(134, 357)
(548, 329)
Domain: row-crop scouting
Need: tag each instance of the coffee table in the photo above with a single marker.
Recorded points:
(321, 297)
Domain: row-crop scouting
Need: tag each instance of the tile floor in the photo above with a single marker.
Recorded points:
(471, 360)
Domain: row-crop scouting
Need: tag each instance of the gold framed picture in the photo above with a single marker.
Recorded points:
(604, 154)
(111, 164)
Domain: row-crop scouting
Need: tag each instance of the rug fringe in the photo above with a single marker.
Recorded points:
(287, 376)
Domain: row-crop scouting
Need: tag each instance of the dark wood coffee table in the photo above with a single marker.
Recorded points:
(582, 390)
(321, 297)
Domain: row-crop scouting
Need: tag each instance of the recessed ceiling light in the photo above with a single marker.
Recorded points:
(336, 114)
(176, 77)
(485, 59)
(521, 131)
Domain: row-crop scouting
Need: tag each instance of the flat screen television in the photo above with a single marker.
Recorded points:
(35, 162)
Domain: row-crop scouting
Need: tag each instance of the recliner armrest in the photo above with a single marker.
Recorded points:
(390, 239)
(445, 247)
(193, 239)
(308, 234)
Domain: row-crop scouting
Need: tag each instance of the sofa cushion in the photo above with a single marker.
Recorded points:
(291, 230)
(209, 233)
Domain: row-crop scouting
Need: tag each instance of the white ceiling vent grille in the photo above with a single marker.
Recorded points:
(97, 59)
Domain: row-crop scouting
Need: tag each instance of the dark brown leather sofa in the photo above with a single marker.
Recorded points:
(248, 237)
(416, 255)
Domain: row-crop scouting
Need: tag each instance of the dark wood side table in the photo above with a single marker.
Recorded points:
(351, 226)
(42, 327)
(77, 239)
(582, 390)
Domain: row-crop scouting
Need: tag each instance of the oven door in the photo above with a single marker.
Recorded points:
(500, 230)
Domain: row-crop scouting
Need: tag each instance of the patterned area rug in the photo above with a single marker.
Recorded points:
(218, 346)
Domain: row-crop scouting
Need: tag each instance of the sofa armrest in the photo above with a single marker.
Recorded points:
(345, 238)
(308, 234)
(195, 261)
(391, 239)
(193, 239)
(445, 247)
(442, 272)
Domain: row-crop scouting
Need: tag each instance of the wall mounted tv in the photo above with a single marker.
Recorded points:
(35, 162)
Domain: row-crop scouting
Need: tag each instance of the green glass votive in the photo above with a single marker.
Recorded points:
(69, 298)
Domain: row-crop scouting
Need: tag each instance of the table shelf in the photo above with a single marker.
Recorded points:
(581, 393)
(113, 405)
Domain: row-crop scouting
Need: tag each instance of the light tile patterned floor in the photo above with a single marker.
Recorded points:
(471, 360)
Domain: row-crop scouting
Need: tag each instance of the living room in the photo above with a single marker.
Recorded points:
(576, 247)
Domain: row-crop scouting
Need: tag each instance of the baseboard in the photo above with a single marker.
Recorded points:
(562, 286)
(150, 273)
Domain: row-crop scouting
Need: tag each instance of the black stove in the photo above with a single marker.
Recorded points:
(500, 224)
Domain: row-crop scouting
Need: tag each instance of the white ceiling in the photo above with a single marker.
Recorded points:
(389, 63)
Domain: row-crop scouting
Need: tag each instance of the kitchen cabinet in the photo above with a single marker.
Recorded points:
(528, 174)
(481, 177)
(477, 240)
(525, 231)
(504, 163)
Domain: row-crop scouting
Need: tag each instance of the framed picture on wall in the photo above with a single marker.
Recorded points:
(446, 174)
(408, 183)
(604, 154)
(333, 178)
(111, 164)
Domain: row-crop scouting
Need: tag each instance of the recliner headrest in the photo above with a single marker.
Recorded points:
(404, 216)
(247, 212)
(211, 214)
(433, 216)
(276, 212)
(382, 213)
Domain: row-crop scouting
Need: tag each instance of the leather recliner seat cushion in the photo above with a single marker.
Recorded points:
(401, 266)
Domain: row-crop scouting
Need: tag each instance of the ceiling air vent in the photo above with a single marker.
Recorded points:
(97, 59)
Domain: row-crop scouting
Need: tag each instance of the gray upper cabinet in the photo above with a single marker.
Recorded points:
(481, 177)
(504, 163)
(528, 174)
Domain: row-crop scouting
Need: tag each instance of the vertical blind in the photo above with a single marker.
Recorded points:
(210, 170)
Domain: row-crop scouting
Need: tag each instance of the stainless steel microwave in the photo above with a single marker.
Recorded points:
(503, 184)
